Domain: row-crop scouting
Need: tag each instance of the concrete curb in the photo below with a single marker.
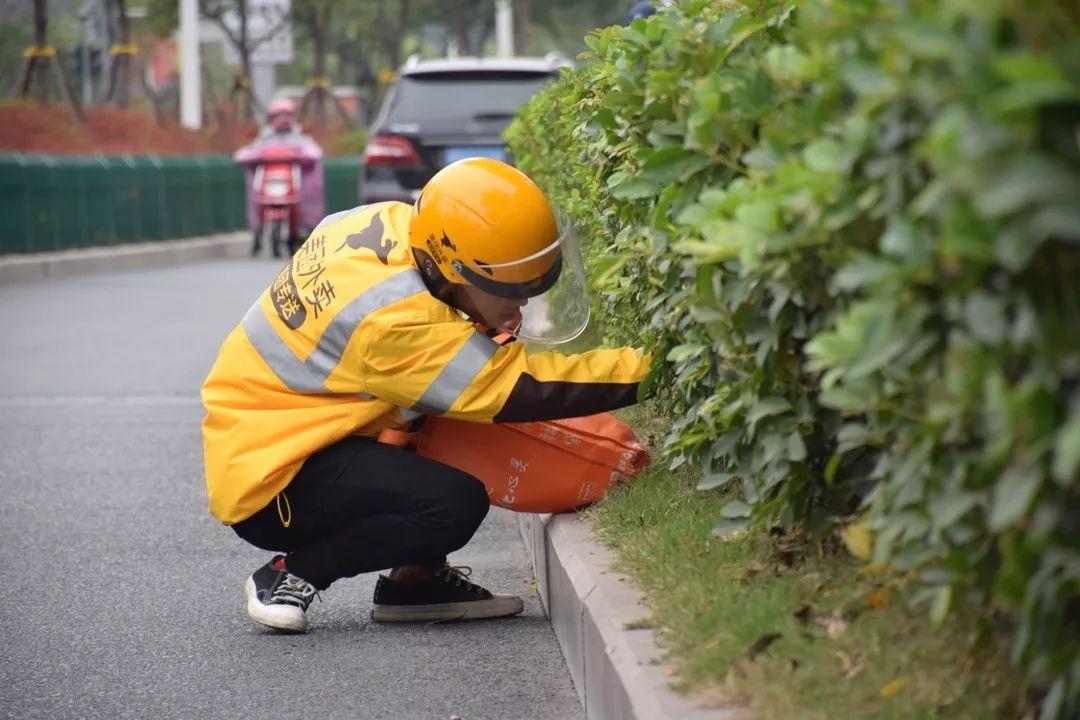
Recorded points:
(615, 670)
(38, 266)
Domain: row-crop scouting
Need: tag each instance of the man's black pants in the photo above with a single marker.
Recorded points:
(360, 505)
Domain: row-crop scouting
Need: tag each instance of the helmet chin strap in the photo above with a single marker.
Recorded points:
(450, 293)
(437, 284)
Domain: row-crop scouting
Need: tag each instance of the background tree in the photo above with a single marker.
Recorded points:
(220, 11)
(316, 16)
(123, 54)
(39, 60)
(468, 23)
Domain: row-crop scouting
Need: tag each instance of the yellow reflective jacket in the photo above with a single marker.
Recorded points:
(348, 340)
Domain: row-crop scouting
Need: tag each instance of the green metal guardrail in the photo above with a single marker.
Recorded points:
(61, 202)
(342, 179)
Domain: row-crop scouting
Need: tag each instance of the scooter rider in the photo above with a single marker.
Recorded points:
(283, 135)
(280, 118)
(369, 327)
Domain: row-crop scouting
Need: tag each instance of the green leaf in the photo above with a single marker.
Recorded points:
(832, 467)
(766, 407)
(853, 435)
(946, 510)
(825, 156)
(1024, 180)
(707, 251)
(1012, 497)
(744, 27)
(762, 157)
(649, 383)
(940, 609)
(901, 239)
(761, 215)
(710, 480)
(679, 353)
(985, 316)
(844, 398)
(1024, 66)
(868, 80)
(930, 41)
(634, 188)
(786, 62)
(796, 448)
(673, 164)
(1067, 453)
(608, 265)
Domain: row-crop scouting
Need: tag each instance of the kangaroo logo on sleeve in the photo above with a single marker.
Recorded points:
(372, 238)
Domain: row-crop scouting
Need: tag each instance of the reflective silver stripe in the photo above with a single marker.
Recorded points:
(334, 217)
(457, 375)
(310, 375)
(409, 415)
(289, 369)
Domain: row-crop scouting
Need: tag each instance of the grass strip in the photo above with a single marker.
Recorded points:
(789, 630)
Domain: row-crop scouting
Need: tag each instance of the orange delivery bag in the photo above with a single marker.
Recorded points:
(546, 466)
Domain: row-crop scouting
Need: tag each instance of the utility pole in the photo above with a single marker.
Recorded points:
(504, 28)
(190, 75)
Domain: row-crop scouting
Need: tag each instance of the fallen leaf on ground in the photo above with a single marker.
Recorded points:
(879, 600)
(858, 540)
(852, 665)
(834, 624)
(893, 687)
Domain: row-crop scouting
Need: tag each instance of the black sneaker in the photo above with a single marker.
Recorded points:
(446, 594)
(278, 599)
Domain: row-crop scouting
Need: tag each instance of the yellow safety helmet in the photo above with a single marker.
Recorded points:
(485, 224)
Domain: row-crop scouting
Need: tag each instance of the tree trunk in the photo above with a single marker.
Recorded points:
(41, 22)
(40, 60)
(38, 65)
(389, 36)
(459, 28)
(392, 38)
(120, 68)
(319, 30)
(244, 99)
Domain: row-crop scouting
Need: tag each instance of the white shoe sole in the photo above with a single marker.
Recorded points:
(279, 617)
(498, 606)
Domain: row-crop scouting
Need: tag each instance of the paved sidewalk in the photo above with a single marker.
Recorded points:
(112, 258)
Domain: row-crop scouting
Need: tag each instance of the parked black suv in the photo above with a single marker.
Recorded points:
(439, 111)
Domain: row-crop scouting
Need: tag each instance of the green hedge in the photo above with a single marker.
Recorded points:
(851, 230)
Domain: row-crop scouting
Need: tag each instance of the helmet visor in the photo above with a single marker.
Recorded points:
(540, 298)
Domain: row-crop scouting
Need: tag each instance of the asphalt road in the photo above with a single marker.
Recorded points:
(122, 598)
